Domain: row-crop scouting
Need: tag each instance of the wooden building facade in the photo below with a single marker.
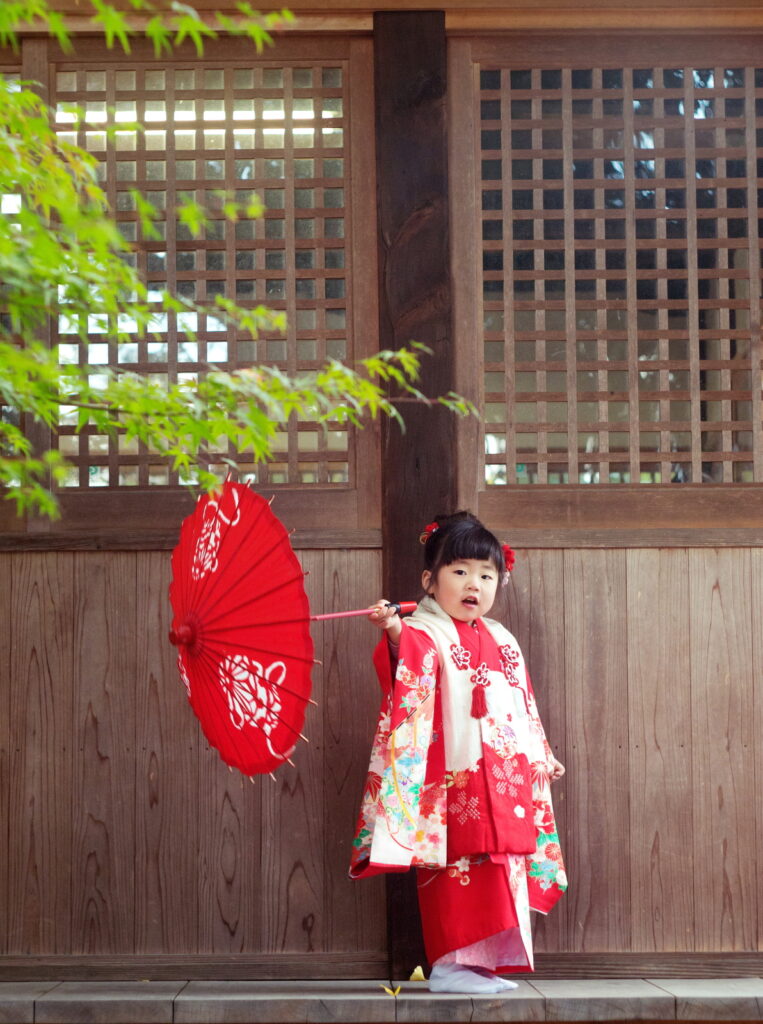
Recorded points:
(565, 207)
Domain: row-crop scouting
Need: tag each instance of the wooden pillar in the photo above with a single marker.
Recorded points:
(419, 465)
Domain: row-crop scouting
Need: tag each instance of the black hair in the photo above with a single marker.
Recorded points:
(460, 536)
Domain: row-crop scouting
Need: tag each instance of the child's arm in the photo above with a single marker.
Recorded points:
(557, 769)
(385, 617)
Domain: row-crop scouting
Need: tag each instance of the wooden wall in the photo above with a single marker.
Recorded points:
(126, 841)
(647, 663)
(123, 836)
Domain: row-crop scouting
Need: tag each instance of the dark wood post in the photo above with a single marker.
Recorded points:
(418, 466)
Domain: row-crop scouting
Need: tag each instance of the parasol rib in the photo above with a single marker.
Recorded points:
(210, 589)
(255, 648)
(275, 589)
(207, 588)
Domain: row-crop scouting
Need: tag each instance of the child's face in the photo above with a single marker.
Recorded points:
(465, 589)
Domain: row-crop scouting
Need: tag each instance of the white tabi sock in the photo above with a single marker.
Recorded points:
(455, 977)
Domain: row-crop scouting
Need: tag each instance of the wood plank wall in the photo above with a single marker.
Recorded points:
(645, 663)
(123, 835)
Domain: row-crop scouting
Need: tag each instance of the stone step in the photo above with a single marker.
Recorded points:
(367, 1002)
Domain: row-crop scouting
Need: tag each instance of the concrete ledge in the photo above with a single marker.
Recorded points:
(627, 999)
(274, 1002)
(366, 1002)
(17, 1000)
(105, 1002)
(713, 999)
(417, 1005)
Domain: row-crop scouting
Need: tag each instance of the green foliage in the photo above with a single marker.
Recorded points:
(63, 256)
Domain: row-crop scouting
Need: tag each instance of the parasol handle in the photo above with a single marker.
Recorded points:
(403, 608)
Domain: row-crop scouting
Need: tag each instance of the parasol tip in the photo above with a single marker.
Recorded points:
(185, 634)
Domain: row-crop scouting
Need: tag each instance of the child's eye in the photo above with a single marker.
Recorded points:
(487, 576)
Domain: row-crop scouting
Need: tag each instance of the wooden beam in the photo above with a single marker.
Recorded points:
(605, 17)
(488, 15)
(418, 466)
(415, 299)
(159, 966)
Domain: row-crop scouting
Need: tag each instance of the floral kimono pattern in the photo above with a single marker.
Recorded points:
(444, 787)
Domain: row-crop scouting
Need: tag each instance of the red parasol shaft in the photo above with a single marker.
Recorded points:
(403, 608)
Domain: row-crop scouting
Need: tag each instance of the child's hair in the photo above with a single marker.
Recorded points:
(459, 536)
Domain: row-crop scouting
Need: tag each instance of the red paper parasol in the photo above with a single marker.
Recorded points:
(242, 627)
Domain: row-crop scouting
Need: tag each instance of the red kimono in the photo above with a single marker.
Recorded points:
(459, 786)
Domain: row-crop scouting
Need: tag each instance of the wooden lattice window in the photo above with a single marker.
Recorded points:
(275, 128)
(620, 270)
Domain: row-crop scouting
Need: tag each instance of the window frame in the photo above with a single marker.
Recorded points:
(140, 517)
(563, 515)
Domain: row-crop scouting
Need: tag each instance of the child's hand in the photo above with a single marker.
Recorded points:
(385, 617)
(557, 770)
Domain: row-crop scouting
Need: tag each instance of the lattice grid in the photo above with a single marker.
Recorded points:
(275, 130)
(621, 274)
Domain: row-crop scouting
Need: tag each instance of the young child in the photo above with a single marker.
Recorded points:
(458, 784)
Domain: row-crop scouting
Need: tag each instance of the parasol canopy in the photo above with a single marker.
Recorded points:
(242, 628)
(241, 623)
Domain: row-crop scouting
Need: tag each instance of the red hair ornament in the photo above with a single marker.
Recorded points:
(509, 558)
(427, 532)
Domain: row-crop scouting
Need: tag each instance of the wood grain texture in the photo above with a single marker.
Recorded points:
(561, 48)
(103, 786)
(598, 823)
(756, 604)
(535, 599)
(39, 837)
(365, 965)
(292, 826)
(722, 750)
(419, 467)
(166, 776)
(628, 508)
(6, 565)
(365, 267)
(246, 966)
(659, 715)
(112, 790)
(355, 912)
(466, 258)
(126, 835)
(230, 840)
